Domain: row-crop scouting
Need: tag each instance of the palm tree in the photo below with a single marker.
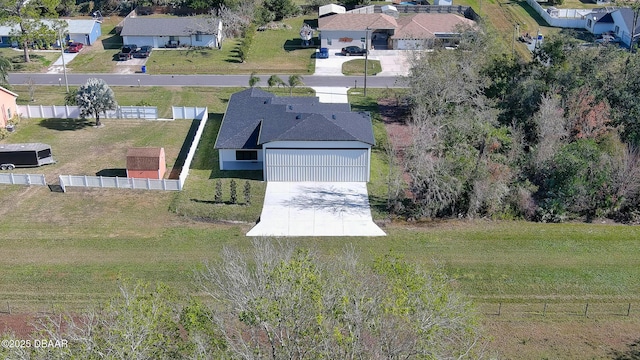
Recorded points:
(275, 80)
(5, 67)
(294, 80)
(254, 80)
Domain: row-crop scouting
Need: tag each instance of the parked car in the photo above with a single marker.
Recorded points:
(75, 47)
(144, 52)
(127, 52)
(353, 50)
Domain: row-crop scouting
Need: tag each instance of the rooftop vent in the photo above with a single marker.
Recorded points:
(333, 116)
(298, 117)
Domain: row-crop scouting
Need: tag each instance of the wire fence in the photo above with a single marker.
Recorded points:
(586, 309)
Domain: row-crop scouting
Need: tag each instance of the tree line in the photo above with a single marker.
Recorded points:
(549, 139)
(274, 301)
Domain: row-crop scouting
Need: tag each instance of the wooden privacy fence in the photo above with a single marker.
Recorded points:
(23, 179)
(73, 112)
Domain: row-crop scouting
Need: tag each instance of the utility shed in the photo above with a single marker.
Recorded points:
(146, 163)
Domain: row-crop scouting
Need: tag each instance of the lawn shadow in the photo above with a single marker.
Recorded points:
(66, 124)
(236, 174)
(112, 43)
(184, 150)
(211, 202)
(112, 173)
(311, 22)
(534, 14)
(235, 56)
(632, 352)
(296, 44)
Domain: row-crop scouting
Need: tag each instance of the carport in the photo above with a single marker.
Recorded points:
(316, 209)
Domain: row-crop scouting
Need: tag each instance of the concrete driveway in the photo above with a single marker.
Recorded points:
(316, 209)
(393, 62)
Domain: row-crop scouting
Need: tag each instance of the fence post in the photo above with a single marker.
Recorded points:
(86, 182)
(544, 311)
(499, 309)
(8, 308)
(11, 179)
(42, 111)
(62, 183)
(148, 184)
(133, 182)
(629, 309)
(28, 179)
(101, 185)
(586, 310)
(117, 183)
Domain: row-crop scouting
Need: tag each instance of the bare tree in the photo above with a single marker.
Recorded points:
(281, 302)
(551, 129)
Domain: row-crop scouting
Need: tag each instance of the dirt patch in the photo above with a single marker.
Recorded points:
(19, 324)
(572, 339)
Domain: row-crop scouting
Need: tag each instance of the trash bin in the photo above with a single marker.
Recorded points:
(144, 69)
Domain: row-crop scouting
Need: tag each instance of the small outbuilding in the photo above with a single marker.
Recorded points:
(146, 163)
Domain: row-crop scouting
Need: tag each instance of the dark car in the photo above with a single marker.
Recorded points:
(353, 50)
(144, 52)
(127, 51)
(75, 47)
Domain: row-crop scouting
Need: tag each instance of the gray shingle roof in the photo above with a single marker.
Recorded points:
(255, 117)
(179, 26)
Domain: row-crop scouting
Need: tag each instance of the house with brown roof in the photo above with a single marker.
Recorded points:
(389, 31)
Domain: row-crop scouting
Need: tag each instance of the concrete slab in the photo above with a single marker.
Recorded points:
(393, 62)
(67, 59)
(332, 94)
(316, 209)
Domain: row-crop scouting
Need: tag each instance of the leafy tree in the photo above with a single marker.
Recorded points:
(5, 67)
(27, 15)
(281, 9)
(254, 80)
(275, 80)
(278, 301)
(71, 98)
(142, 322)
(94, 98)
(294, 80)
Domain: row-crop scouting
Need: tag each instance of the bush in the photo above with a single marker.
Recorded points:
(233, 187)
(217, 198)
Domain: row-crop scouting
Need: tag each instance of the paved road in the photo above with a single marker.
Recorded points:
(198, 80)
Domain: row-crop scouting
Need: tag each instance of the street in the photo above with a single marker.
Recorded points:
(75, 80)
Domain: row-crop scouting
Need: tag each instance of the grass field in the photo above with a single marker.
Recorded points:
(65, 250)
(356, 67)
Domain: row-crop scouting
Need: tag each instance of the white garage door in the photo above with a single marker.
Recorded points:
(334, 165)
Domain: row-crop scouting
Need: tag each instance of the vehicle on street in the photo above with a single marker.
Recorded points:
(144, 52)
(127, 52)
(24, 155)
(74, 47)
(353, 50)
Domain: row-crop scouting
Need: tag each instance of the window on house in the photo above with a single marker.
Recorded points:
(589, 23)
(329, 41)
(246, 155)
(198, 37)
(617, 29)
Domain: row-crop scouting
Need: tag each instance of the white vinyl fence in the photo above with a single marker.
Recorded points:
(118, 182)
(73, 112)
(196, 113)
(22, 179)
(571, 18)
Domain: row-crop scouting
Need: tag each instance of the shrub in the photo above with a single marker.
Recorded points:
(217, 198)
(233, 197)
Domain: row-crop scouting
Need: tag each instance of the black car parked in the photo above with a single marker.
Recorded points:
(353, 50)
(127, 52)
(144, 52)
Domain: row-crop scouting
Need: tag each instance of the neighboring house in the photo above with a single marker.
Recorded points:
(172, 32)
(82, 31)
(295, 138)
(7, 106)
(623, 25)
(400, 32)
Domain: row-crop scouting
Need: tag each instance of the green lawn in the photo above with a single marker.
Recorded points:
(272, 52)
(356, 67)
(40, 60)
(68, 249)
